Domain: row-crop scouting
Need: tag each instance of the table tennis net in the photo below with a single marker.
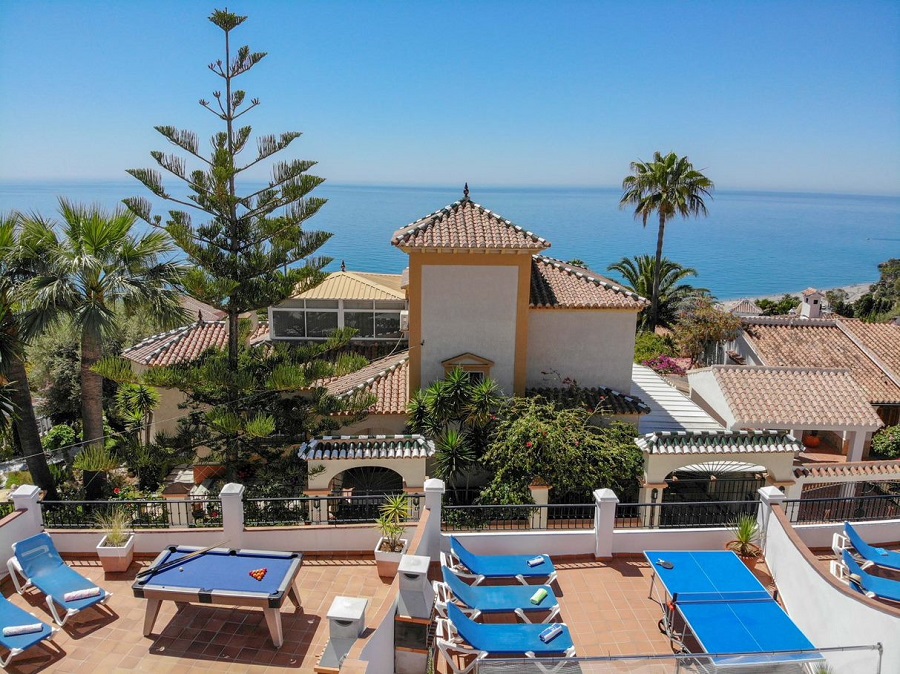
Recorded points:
(721, 597)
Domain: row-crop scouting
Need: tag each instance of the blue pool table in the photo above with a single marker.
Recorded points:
(222, 576)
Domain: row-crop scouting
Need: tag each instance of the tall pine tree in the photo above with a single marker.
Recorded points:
(251, 251)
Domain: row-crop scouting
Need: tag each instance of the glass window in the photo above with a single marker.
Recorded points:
(358, 304)
(387, 325)
(362, 321)
(288, 324)
(389, 306)
(321, 323)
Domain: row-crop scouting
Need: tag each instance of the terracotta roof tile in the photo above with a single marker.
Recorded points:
(746, 308)
(881, 339)
(201, 310)
(367, 447)
(386, 377)
(465, 225)
(186, 343)
(854, 468)
(718, 442)
(607, 399)
(794, 397)
(556, 285)
(817, 343)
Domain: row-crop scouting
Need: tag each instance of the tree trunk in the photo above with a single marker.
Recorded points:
(26, 429)
(654, 301)
(91, 390)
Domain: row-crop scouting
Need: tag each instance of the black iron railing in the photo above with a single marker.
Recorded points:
(675, 515)
(859, 508)
(518, 517)
(144, 514)
(271, 512)
(6, 508)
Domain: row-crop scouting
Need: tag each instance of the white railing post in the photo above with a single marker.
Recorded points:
(768, 497)
(232, 496)
(540, 494)
(431, 539)
(28, 498)
(604, 522)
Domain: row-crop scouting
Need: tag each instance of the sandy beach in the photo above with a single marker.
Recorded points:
(854, 292)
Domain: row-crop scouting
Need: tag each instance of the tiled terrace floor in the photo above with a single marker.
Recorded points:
(199, 638)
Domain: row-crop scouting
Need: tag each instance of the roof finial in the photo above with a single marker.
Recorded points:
(343, 266)
(199, 315)
(466, 192)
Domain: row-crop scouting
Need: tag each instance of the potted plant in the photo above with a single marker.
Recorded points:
(745, 530)
(116, 548)
(390, 547)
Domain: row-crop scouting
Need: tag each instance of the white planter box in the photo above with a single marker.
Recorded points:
(387, 562)
(116, 559)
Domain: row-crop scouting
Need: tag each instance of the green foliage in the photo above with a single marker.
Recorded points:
(780, 308)
(59, 436)
(537, 439)
(95, 459)
(745, 530)
(667, 186)
(116, 523)
(639, 273)
(701, 328)
(649, 345)
(17, 478)
(394, 511)
(886, 443)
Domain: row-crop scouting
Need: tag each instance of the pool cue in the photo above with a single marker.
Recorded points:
(179, 561)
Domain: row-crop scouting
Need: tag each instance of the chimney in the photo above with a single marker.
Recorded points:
(811, 306)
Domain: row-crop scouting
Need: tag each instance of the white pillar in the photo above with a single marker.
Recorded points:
(28, 498)
(232, 496)
(431, 540)
(604, 522)
(540, 494)
(858, 444)
(768, 497)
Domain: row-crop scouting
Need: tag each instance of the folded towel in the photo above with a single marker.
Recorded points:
(82, 594)
(536, 561)
(15, 630)
(539, 596)
(551, 633)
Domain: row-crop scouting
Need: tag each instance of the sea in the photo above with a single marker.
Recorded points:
(751, 244)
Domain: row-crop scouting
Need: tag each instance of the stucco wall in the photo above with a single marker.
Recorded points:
(595, 348)
(706, 393)
(166, 416)
(780, 465)
(469, 309)
(411, 470)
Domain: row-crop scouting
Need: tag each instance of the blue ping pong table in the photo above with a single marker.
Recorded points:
(726, 608)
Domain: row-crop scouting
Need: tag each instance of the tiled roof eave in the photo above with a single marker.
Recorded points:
(468, 250)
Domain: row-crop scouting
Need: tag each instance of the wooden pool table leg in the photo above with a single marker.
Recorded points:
(150, 615)
(294, 596)
(273, 620)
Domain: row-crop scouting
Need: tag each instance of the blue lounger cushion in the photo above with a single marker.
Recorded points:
(501, 599)
(11, 615)
(878, 556)
(502, 566)
(516, 639)
(865, 583)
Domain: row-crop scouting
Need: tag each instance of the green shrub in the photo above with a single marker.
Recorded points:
(17, 478)
(886, 444)
(648, 345)
(59, 436)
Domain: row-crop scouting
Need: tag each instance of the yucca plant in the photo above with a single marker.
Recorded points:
(95, 459)
(394, 511)
(745, 530)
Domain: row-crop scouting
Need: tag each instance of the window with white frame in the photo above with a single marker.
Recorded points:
(317, 319)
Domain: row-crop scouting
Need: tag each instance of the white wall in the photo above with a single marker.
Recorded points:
(596, 348)
(877, 533)
(578, 542)
(635, 541)
(16, 527)
(379, 649)
(469, 309)
(705, 392)
(827, 615)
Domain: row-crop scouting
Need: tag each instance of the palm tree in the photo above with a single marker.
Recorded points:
(94, 265)
(15, 400)
(667, 186)
(638, 273)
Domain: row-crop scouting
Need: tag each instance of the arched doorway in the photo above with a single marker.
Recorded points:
(728, 488)
(362, 490)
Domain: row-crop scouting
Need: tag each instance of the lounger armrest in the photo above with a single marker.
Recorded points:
(839, 543)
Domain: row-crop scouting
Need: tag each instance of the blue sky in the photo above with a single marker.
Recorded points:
(798, 96)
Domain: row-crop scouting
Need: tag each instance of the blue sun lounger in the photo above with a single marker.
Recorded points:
(498, 599)
(459, 635)
(15, 619)
(864, 583)
(38, 562)
(869, 553)
(481, 567)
